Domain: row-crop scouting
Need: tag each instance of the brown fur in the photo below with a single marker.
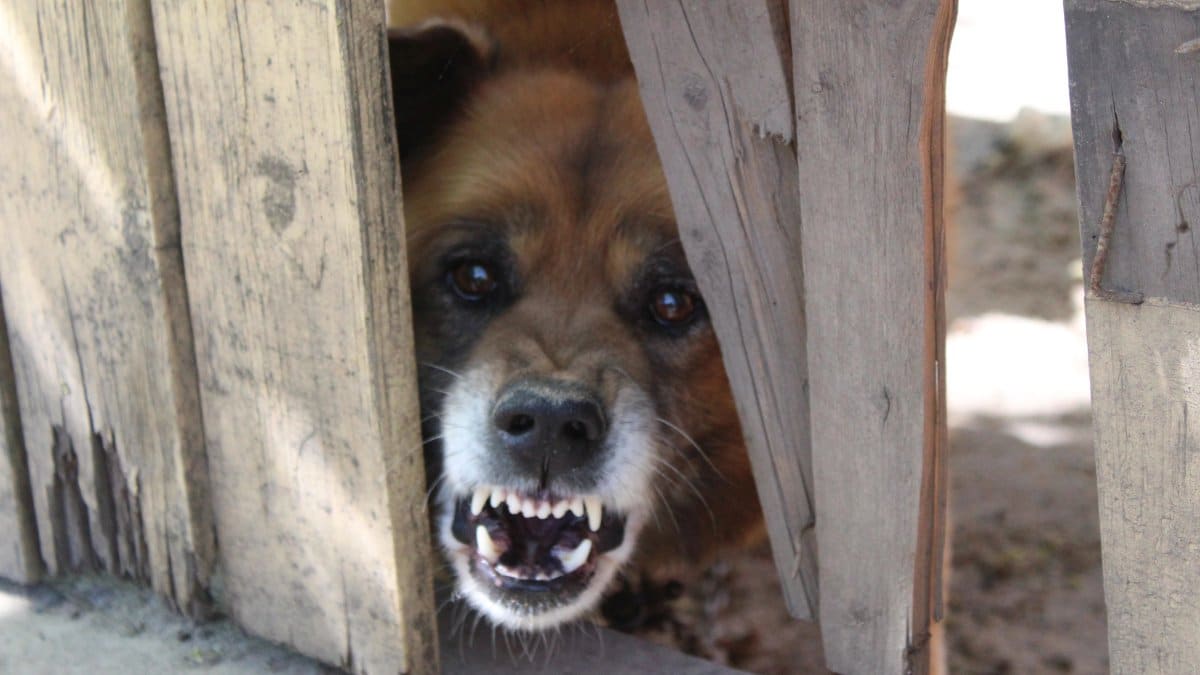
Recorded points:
(551, 151)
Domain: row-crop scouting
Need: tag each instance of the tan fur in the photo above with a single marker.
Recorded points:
(553, 149)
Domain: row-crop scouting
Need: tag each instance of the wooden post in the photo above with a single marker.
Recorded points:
(1135, 105)
(869, 89)
(814, 222)
(715, 80)
(283, 143)
(94, 298)
(20, 559)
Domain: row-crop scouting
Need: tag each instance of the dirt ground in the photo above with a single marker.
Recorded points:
(1025, 589)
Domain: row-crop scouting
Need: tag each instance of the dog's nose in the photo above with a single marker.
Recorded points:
(548, 426)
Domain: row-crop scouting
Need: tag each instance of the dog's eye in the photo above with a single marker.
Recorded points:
(673, 307)
(472, 280)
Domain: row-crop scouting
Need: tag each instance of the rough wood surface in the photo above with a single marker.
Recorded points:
(1145, 363)
(869, 107)
(20, 559)
(1135, 90)
(282, 142)
(715, 80)
(1131, 89)
(94, 297)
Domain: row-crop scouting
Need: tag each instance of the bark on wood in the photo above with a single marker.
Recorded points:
(20, 559)
(94, 297)
(1135, 91)
(289, 192)
(869, 106)
(715, 80)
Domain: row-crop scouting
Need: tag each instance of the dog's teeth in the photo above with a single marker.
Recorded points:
(528, 508)
(595, 512)
(478, 500)
(483, 541)
(543, 510)
(575, 559)
(497, 498)
(514, 503)
(576, 506)
(560, 508)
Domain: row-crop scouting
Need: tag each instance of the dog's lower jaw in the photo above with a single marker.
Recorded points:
(512, 615)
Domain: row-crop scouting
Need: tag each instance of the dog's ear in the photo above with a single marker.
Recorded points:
(434, 67)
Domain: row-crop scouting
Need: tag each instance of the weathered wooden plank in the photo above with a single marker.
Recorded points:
(94, 296)
(282, 139)
(1135, 97)
(20, 559)
(1145, 363)
(715, 80)
(1135, 86)
(869, 104)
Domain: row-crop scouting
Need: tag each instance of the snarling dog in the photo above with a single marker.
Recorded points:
(578, 417)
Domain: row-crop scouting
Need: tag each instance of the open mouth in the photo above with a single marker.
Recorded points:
(535, 544)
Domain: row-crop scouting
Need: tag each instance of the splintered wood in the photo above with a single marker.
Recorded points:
(94, 300)
(803, 150)
(283, 145)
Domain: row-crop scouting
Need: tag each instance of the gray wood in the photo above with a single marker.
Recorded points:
(1128, 80)
(714, 79)
(1135, 90)
(869, 104)
(20, 559)
(1145, 364)
(282, 141)
(94, 298)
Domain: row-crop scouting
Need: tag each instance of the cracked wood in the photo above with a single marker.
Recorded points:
(284, 149)
(94, 299)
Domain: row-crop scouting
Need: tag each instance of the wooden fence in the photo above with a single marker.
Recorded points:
(241, 430)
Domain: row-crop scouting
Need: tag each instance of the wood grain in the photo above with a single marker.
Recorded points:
(281, 131)
(714, 79)
(1131, 90)
(1135, 90)
(20, 559)
(1145, 363)
(94, 298)
(869, 106)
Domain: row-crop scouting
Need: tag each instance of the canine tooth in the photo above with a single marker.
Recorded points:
(595, 512)
(543, 510)
(575, 559)
(478, 500)
(514, 503)
(483, 541)
(528, 508)
(576, 506)
(560, 508)
(497, 498)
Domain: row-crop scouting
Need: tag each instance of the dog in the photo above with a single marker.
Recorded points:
(578, 419)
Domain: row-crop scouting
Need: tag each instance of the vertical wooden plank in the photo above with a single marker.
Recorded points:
(94, 297)
(282, 137)
(715, 82)
(1145, 363)
(869, 90)
(20, 559)
(1135, 100)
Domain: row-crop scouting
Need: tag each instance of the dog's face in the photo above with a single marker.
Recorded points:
(578, 413)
